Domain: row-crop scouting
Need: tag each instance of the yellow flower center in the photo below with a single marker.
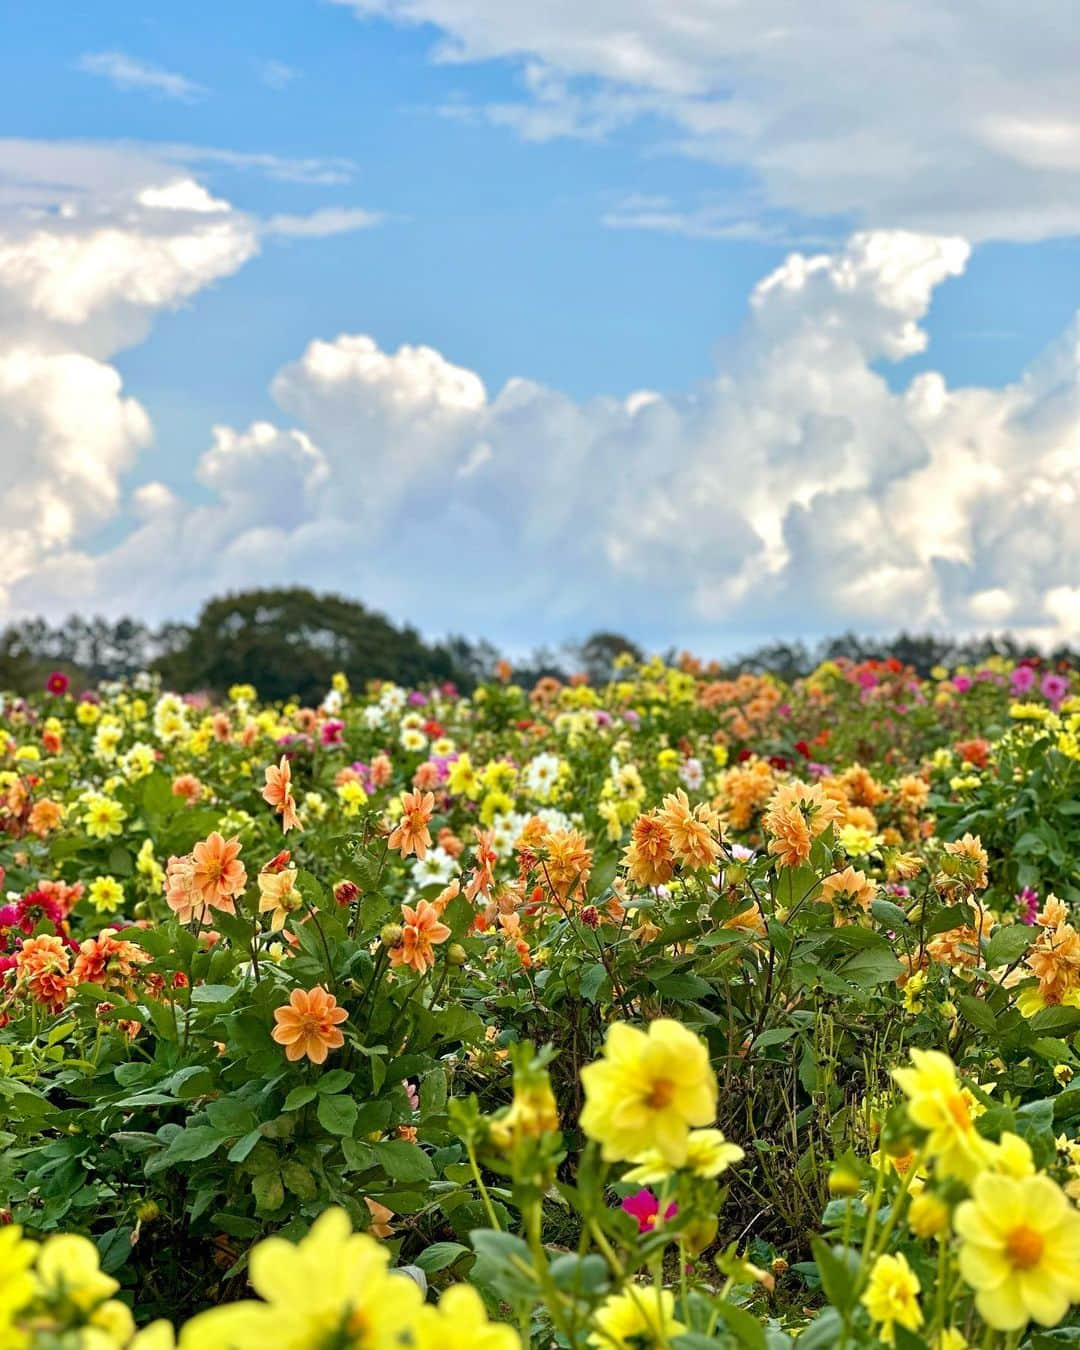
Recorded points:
(1024, 1247)
(661, 1094)
(957, 1107)
(357, 1327)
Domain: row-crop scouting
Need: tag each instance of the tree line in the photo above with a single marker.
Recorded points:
(289, 641)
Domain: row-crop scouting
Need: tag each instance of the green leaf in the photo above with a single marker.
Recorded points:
(774, 1036)
(230, 1116)
(299, 1180)
(579, 1274)
(977, 1011)
(602, 875)
(300, 1096)
(433, 1092)
(440, 1256)
(334, 1081)
(501, 1267)
(1007, 945)
(684, 987)
(888, 914)
(1056, 1020)
(212, 993)
(869, 968)
(158, 798)
(839, 1269)
(795, 884)
(592, 981)
(337, 1115)
(120, 863)
(404, 1161)
(955, 916)
(193, 1144)
(742, 1324)
(243, 1147)
(268, 1190)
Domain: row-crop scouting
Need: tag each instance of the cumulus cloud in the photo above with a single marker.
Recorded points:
(127, 72)
(792, 492)
(81, 277)
(961, 116)
(94, 278)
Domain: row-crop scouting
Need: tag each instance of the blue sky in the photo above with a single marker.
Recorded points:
(516, 252)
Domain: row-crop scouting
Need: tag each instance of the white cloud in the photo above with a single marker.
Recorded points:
(129, 73)
(89, 175)
(327, 221)
(81, 277)
(66, 436)
(277, 75)
(938, 115)
(728, 221)
(792, 492)
(93, 278)
(311, 170)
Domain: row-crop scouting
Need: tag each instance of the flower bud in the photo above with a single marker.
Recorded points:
(699, 1234)
(456, 954)
(928, 1215)
(391, 934)
(843, 1181)
(345, 892)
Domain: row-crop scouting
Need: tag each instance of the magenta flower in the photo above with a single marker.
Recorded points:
(961, 683)
(1028, 900)
(1054, 688)
(331, 731)
(644, 1207)
(57, 683)
(1022, 678)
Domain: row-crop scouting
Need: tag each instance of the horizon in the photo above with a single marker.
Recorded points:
(626, 309)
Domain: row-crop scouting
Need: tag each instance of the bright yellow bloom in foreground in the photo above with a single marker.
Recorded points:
(1013, 1156)
(16, 1282)
(647, 1091)
(1020, 1250)
(708, 1154)
(892, 1296)
(68, 1267)
(332, 1288)
(461, 1323)
(636, 1319)
(69, 1276)
(938, 1103)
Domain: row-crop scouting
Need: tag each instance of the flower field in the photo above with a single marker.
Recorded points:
(683, 1012)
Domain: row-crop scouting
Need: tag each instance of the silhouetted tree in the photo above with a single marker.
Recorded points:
(596, 655)
(291, 641)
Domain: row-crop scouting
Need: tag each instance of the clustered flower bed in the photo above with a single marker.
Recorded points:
(684, 1012)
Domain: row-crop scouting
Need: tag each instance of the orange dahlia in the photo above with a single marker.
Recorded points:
(308, 1024)
(412, 834)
